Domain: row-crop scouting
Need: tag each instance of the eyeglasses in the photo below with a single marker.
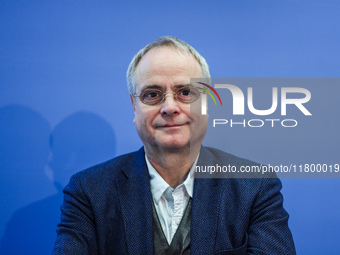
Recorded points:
(186, 95)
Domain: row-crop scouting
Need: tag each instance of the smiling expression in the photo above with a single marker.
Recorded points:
(171, 125)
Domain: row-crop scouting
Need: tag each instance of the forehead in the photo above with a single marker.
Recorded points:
(166, 66)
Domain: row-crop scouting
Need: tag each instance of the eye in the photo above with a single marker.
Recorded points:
(185, 92)
(188, 91)
(152, 94)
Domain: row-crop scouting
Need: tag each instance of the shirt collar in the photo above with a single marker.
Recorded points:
(159, 186)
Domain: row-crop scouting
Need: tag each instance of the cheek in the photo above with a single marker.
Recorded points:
(143, 118)
(139, 119)
(196, 107)
(200, 121)
(194, 113)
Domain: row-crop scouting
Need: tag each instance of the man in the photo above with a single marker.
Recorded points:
(147, 202)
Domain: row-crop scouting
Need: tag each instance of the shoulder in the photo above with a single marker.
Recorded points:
(216, 156)
(223, 165)
(111, 169)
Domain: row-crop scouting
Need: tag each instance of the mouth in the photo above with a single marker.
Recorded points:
(172, 125)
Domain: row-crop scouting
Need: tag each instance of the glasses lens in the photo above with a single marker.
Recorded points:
(187, 94)
(151, 96)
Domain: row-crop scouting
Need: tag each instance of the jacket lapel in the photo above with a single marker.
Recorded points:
(205, 209)
(136, 205)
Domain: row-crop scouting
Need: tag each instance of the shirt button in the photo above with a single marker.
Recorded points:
(177, 221)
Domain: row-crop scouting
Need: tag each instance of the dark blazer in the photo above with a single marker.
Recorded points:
(107, 209)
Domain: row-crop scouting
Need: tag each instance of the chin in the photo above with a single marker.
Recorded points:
(175, 145)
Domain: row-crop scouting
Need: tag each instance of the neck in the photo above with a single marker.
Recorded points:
(172, 165)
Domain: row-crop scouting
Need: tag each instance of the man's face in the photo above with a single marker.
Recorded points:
(167, 126)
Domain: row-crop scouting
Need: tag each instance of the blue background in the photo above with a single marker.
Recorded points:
(64, 104)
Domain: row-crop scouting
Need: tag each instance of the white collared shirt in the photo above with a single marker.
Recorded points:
(170, 203)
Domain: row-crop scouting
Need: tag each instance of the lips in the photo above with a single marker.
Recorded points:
(170, 125)
(173, 125)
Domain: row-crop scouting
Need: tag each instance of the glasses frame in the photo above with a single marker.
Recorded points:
(174, 94)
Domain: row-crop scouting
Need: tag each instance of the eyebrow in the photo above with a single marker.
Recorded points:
(154, 86)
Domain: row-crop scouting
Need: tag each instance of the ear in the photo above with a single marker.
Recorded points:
(133, 102)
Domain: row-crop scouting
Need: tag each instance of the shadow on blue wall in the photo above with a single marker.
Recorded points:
(24, 153)
(79, 141)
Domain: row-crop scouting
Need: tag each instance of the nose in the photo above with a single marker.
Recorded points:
(170, 106)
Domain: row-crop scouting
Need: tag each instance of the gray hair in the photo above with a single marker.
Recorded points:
(168, 41)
